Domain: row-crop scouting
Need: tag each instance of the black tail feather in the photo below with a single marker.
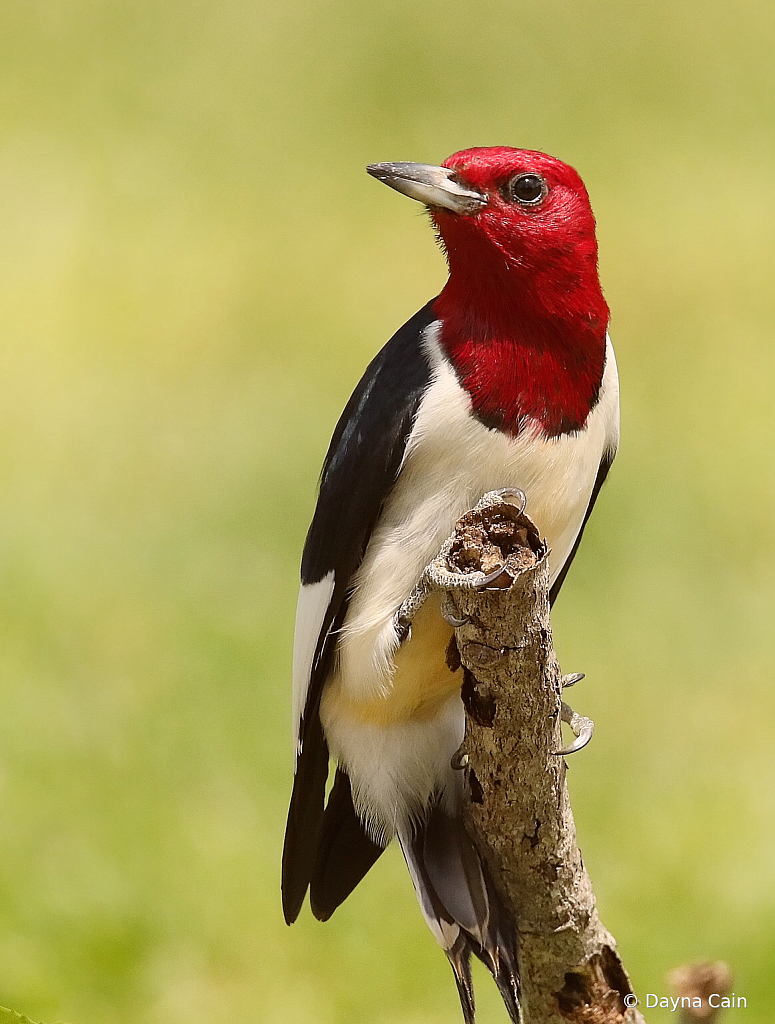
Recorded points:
(345, 851)
(463, 907)
(499, 956)
(304, 819)
(460, 958)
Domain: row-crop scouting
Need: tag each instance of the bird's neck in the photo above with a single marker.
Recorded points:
(528, 348)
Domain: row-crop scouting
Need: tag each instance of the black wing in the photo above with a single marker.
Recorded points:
(361, 466)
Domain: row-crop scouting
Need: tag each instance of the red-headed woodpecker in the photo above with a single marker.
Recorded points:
(505, 379)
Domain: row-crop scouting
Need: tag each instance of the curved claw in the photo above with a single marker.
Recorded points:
(459, 760)
(514, 492)
(584, 736)
(581, 726)
(453, 620)
(490, 577)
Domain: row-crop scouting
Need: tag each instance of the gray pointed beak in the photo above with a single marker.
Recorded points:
(434, 186)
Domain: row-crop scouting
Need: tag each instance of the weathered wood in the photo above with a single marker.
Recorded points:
(518, 809)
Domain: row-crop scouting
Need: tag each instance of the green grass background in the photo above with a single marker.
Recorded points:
(194, 270)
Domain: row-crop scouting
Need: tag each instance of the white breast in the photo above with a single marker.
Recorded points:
(451, 459)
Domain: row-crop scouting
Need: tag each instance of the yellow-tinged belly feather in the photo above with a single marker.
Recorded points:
(421, 683)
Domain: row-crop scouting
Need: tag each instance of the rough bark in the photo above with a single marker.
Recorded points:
(518, 809)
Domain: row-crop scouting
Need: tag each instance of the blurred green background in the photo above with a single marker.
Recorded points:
(194, 270)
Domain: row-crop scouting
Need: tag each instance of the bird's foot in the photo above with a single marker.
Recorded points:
(402, 620)
(437, 577)
(581, 727)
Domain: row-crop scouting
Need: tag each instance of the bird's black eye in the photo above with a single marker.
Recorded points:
(528, 189)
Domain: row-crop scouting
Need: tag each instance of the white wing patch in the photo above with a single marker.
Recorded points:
(314, 599)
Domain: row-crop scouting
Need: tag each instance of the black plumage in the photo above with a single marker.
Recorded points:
(360, 468)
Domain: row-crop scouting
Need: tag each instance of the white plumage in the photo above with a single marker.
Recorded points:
(314, 599)
(392, 718)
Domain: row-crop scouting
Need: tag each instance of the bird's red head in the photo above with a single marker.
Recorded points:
(532, 240)
(523, 293)
(523, 318)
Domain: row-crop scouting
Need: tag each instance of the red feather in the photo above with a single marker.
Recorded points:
(524, 318)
